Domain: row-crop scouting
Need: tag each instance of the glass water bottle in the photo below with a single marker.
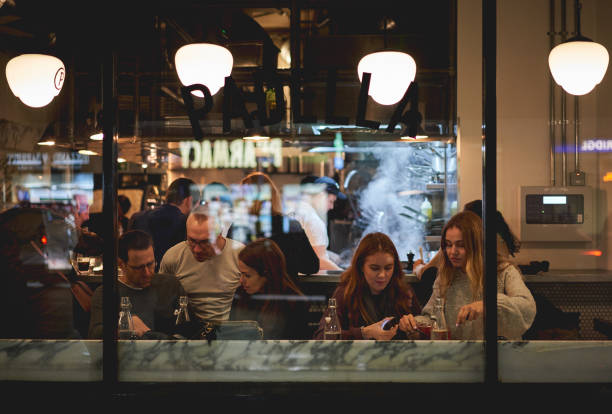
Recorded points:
(182, 315)
(126, 324)
(332, 323)
(439, 328)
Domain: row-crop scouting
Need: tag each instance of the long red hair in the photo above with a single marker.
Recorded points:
(398, 291)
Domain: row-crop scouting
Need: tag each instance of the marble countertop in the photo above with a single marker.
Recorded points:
(306, 361)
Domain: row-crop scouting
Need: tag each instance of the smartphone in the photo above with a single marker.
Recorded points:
(390, 323)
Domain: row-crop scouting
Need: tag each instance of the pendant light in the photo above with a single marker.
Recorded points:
(35, 78)
(579, 64)
(203, 63)
(392, 72)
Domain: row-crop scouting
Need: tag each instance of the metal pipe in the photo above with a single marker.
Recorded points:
(551, 100)
(576, 104)
(563, 107)
(576, 135)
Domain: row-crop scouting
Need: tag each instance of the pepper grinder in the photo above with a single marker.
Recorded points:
(410, 262)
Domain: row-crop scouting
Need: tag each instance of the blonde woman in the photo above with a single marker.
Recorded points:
(459, 284)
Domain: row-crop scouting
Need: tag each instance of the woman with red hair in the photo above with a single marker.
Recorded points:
(267, 294)
(372, 291)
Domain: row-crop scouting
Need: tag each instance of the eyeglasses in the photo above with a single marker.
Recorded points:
(150, 266)
(202, 244)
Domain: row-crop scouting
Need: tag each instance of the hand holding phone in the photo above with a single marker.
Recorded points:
(390, 323)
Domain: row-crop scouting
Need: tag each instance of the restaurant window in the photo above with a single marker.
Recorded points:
(295, 109)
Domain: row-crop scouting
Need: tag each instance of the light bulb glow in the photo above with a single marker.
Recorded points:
(203, 63)
(47, 142)
(578, 66)
(392, 73)
(97, 137)
(35, 79)
(256, 138)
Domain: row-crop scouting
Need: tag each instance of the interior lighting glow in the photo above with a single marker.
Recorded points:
(578, 66)
(97, 137)
(596, 253)
(203, 63)
(35, 79)
(256, 138)
(47, 142)
(392, 72)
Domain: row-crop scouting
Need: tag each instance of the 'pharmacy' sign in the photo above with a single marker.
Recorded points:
(238, 153)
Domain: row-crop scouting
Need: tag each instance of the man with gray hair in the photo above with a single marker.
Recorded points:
(206, 264)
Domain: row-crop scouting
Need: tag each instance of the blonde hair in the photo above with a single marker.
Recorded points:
(470, 226)
(259, 179)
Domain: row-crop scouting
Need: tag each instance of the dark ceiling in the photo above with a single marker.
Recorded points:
(145, 36)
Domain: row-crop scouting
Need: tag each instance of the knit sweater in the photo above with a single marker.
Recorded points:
(516, 307)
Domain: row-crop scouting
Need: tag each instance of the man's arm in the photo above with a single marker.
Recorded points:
(324, 262)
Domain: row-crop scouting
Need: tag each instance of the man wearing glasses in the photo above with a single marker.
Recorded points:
(154, 297)
(206, 264)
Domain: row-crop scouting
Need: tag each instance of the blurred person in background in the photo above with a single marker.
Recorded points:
(166, 223)
(286, 232)
(311, 212)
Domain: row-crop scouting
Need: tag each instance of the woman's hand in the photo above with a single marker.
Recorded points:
(470, 312)
(375, 331)
(408, 324)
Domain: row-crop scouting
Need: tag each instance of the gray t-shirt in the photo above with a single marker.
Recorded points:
(210, 284)
(516, 307)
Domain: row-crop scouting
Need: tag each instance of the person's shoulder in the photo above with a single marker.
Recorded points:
(175, 251)
(234, 245)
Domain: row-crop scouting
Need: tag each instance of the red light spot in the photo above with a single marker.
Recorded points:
(593, 253)
(43, 239)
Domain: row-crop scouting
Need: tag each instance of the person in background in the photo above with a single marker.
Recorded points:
(286, 232)
(372, 291)
(267, 294)
(206, 264)
(460, 284)
(311, 212)
(94, 223)
(154, 296)
(166, 223)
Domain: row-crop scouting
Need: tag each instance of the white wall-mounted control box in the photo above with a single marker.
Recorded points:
(553, 214)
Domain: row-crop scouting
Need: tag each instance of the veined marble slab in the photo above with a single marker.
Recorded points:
(307, 361)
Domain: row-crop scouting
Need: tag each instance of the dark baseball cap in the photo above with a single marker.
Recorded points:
(331, 186)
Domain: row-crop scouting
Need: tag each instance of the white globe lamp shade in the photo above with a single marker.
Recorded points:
(203, 63)
(392, 73)
(35, 79)
(578, 66)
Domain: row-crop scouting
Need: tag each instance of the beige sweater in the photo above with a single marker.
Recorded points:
(516, 308)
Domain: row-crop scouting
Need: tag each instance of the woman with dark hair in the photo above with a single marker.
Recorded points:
(267, 294)
(372, 291)
(286, 232)
(459, 285)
